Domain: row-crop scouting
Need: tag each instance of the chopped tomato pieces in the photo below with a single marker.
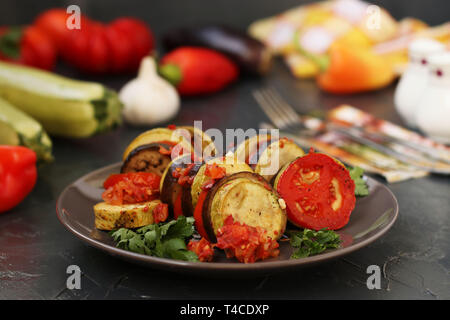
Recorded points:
(160, 213)
(183, 175)
(247, 244)
(133, 187)
(215, 172)
(202, 248)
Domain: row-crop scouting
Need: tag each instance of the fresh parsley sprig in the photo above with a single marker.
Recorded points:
(309, 242)
(165, 240)
(361, 188)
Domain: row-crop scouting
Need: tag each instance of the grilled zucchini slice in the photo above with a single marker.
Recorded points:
(249, 199)
(112, 217)
(229, 163)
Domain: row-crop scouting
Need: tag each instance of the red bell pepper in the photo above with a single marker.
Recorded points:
(18, 175)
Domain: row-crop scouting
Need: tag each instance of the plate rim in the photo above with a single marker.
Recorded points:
(152, 261)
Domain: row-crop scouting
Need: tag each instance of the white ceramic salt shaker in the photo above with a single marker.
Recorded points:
(433, 109)
(414, 80)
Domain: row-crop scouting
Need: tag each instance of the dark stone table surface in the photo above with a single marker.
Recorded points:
(35, 249)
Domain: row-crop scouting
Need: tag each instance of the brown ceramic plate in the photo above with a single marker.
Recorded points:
(372, 217)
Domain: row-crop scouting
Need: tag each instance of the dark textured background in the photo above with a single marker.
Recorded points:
(164, 14)
(35, 249)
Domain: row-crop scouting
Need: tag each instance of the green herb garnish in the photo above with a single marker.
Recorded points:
(164, 240)
(361, 188)
(309, 242)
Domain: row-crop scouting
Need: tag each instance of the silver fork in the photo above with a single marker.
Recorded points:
(283, 116)
(281, 113)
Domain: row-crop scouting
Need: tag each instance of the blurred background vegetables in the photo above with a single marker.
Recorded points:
(95, 47)
(354, 69)
(64, 107)
(250, 54)
(27, 45)
(18, 175)
(17, 128)
(196, 70)
(54, 23)
(311, 37)
(149, 99)
(108, 48)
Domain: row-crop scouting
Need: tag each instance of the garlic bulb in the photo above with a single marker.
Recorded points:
(149, 99)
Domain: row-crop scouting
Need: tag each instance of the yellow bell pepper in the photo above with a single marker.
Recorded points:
(354, 69)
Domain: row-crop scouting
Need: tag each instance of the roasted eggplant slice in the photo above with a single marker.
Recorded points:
(147, 158)
(249, 199)
(318, 191)
(111, 217)
(171, 191)
(266, 155)
(229, 163)
(251, 55)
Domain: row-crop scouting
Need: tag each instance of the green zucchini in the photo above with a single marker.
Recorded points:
(65, 107)
(17, 128)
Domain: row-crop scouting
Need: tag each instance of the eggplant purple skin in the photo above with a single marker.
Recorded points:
(171, 188)
(250, 54)
(186, 196)
(206, 209)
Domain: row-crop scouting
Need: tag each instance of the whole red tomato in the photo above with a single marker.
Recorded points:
(139, 36)
(54, 23)
(29, 46)
(113, 48)
(87, 49)
(122, 56)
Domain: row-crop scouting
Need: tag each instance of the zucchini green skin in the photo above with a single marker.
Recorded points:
(17, 128)
(65, 107)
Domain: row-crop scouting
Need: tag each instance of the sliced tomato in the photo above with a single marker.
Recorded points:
(318, 192)
(198, 215)
(132, 187)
